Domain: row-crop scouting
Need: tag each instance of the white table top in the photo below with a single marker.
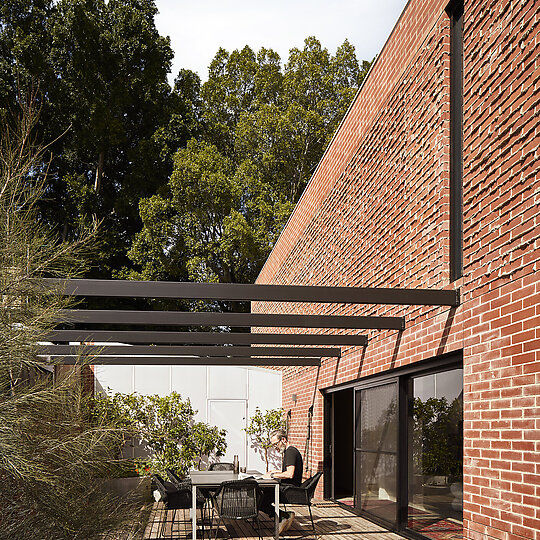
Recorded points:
(211, 479)
(214, 478)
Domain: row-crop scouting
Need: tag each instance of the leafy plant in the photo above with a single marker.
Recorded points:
(261, 426)
(166, 428)
(207, 441)
(52, 455)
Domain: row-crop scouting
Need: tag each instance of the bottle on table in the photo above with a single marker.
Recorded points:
(236, 465)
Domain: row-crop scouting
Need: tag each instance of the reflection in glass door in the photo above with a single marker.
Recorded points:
(435, 461)
(376, 451)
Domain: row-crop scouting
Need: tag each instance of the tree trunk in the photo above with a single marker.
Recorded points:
(64, 231)
(99, 171)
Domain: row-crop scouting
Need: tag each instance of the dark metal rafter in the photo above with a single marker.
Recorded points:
(210, 353)
(211, 350)
(188, 318)
(194, 361)
(217, 338)
(254, 292)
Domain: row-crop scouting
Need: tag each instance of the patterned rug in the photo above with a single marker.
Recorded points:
(429, 525)
(433, 527)
(442, 531)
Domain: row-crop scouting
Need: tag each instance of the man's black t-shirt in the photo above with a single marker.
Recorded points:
(292, 456)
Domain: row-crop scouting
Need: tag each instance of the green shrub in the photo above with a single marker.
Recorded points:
(166, 427)
(261, 426)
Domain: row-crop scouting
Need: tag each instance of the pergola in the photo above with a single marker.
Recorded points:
(159, 347)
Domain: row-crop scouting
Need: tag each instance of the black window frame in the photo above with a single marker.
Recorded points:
(401, 376)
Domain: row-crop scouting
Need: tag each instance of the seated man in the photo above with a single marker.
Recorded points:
(291, 473)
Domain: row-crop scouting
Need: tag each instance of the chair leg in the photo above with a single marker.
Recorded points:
(258, 527)
(311, 516)
(220, 520)
(163, 520)
(172, 523)
(203, 516)
(210, 510)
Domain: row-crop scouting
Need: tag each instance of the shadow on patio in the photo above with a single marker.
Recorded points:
(332, 522)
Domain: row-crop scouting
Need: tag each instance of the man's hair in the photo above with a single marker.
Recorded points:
(280, 434)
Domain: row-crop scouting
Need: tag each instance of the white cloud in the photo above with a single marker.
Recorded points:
(198, 29)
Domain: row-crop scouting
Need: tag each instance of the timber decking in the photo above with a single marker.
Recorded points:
(332, 522)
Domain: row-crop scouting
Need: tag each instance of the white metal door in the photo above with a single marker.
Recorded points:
(230, 414)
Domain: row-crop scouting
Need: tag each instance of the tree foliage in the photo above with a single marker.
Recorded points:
(166, 428)
(101, 67)
(130, 151)
(52, 455)
(263, 130)
(261, 426)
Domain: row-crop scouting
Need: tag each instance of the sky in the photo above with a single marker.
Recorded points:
(198, 28)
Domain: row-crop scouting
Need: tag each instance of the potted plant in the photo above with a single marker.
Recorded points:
(261, 426)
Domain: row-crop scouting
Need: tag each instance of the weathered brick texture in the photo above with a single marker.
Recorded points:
(376, 213)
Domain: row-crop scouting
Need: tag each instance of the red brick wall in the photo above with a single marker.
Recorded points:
(376, 214)
(401, 47)
(502, 286)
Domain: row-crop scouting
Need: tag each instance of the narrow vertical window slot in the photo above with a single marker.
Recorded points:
(455, 12)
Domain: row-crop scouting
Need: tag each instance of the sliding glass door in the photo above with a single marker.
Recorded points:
(376, 451)
(435, 449)
(408, 448)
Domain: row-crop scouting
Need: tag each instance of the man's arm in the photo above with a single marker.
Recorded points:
(288, 473)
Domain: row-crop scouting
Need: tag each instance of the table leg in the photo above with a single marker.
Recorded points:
(276, 506)
(194, 512)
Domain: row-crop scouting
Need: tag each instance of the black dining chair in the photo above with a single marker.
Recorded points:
(300, 495)
(238, 500)
(202, 493)
(176, 496)
(178, 481)
(221, 466)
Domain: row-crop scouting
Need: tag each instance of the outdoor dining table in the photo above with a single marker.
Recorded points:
(213, 479)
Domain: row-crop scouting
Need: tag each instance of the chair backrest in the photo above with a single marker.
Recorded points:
(221, 466)
(182, 488)
(160, 484)
(178, 482)
(238, 499)
(310, 485)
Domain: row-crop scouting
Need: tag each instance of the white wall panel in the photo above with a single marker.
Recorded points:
(264, 389)
(227, 382)
(150, 380)
(114, 379)
(190, 382)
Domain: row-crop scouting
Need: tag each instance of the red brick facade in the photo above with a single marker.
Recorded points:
(376, 214)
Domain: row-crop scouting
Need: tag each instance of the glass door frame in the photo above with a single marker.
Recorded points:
(368, 386)
(402, 377)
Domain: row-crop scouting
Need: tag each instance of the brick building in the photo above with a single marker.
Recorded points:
(431, 181)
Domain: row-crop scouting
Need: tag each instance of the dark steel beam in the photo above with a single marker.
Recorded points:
(190, 361)
(211, 350)
(209, 338)
(187, 318)
(256, 292)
